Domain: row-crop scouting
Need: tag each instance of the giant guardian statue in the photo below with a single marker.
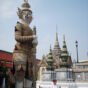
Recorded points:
(24, 54)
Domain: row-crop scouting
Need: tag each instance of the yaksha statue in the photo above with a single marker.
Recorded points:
(25, 48)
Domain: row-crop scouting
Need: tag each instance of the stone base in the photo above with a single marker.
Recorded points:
(27, 83)
(19, 84)
(59, 74)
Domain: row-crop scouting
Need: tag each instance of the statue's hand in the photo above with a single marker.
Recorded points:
(35, 41)
(34, 36)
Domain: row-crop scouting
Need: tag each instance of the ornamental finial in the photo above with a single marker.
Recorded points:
(25, 0)
(56, 33)
(64, 37)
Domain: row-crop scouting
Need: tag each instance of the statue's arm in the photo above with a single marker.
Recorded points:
(21, 38)
(18, 34)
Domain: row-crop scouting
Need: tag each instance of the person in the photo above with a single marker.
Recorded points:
(12, 78)
(7, 79)
(55, 84)
(1, 74)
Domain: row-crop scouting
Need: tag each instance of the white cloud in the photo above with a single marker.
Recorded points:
(7, 8)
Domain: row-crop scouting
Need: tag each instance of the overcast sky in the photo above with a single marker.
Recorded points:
(71, 17)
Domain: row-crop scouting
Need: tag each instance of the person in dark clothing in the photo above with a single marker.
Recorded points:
(12, 81)
(7, 80)
(1, 81)
(12, 78)
(2, 73)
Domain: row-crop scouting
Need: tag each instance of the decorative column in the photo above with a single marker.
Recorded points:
(76, 43)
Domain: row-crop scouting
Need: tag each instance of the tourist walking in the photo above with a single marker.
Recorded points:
(55, 84)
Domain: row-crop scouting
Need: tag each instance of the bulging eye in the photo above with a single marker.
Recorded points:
(28, 14)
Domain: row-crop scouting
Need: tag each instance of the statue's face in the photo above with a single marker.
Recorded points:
(27, 17)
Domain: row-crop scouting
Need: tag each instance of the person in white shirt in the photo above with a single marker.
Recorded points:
(55, 84)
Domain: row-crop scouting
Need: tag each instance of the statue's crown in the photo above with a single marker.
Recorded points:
(25, 5)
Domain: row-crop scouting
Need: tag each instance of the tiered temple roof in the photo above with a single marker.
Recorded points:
(50, 61)
(65, 57)
(61, 58)
(6, 58)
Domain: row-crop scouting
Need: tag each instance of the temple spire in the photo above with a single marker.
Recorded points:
(57, 50)
(56, 34)
(64, 37)
(50, 48)
(66, 61)
(50, 60)
(64, 51)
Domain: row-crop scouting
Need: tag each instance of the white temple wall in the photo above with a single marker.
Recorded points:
(47, 84)
(59, 74)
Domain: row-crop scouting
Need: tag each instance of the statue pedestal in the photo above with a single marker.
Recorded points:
(27, 83)
(19, 84)
(3, 84)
